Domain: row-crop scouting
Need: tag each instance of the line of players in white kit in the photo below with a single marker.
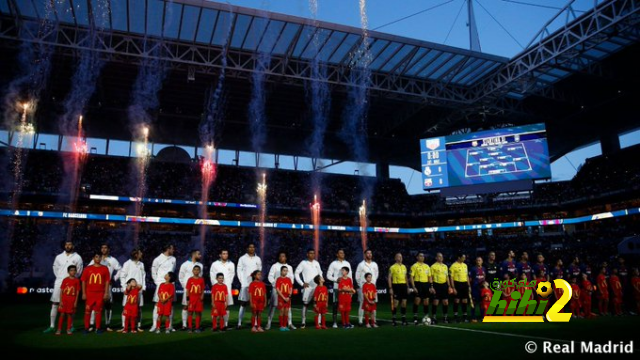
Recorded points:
(165, 263)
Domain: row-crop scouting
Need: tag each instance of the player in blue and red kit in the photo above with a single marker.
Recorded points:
(557, 272)
(540, 265)
(575, 269)
(508, 266)
(477, 276)
(524, 267)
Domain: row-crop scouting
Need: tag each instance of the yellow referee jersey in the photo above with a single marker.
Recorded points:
(398, 274)
(420, 272)
(459, 272)
(439, 272)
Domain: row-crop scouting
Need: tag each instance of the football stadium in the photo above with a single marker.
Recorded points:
(308, 179)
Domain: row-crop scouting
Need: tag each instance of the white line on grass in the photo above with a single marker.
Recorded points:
(480, 331)
(501, 333)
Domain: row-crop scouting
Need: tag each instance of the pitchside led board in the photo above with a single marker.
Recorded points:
(516, 153)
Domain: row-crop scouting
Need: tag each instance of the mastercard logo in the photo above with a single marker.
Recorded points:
(295, 291)
(22, 290)
(235, 292)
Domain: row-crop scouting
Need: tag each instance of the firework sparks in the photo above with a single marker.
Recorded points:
(208, 172)
(142, 164)
(363, 224)
(262, 200)
(315, 218)
(79, 157)
(25, 129)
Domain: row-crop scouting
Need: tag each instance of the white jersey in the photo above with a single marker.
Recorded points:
(228, 270)
(133, 270)
(60, 265)
(186, 272)
(62, 262)
(112, 264)
(274, 273)
(309, 270)
(364, 268)
(246, 265)
(161, 266)
(335, 271)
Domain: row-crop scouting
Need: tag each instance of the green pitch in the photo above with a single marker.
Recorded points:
(23, 323)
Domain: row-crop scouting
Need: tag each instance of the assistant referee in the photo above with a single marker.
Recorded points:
(399, 288)
(459, 276)
(440, 273)
(421, 282)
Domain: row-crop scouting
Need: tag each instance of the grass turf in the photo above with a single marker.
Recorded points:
(24, 321)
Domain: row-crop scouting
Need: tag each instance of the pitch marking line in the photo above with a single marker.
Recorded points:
(501, 333)
(531, 337)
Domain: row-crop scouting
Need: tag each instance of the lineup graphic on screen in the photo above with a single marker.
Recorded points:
(508, 154)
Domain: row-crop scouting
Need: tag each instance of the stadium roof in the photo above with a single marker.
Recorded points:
(422, 88)
(206, 23)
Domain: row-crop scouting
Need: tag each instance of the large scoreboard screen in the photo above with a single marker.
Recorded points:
(516, 153)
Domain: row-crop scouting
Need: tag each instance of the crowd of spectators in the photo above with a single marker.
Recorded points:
(287, 189)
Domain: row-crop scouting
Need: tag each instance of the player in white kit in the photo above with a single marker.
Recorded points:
(185, 273)
(161, 265)
(114, 267)
(366, 266)
(67, 258)
(274, 274)
(334, 273)
(247, 264)
(309, 269)
(134, 269)
(227, 268)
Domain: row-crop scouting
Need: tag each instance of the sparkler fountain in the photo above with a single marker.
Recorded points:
(208, 172)
(79, 157)
(25, 129)
(142, 163)
(364, 223)
(315, 218)
(262, 200)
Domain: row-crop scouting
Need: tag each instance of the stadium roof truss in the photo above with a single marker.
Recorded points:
(191, 35)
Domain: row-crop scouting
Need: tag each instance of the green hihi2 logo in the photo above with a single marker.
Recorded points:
(523, 307)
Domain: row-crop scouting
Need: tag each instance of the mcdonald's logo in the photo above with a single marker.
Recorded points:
(95, 279)
(257, 292)
(133, 299)
(322, 297)
(220, 296)
(371, 295)
(284, 288)
(195, 289)
(70, 290)
(164, 295)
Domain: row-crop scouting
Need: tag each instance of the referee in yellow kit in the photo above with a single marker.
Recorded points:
(421, 282)
(459, 276)
(440, 273)
(399, 289)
